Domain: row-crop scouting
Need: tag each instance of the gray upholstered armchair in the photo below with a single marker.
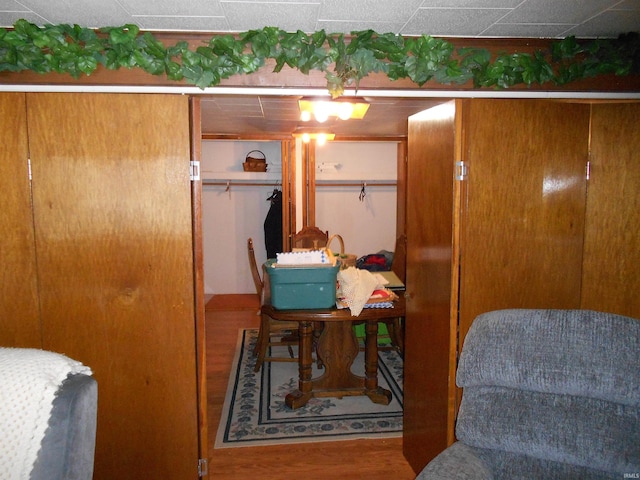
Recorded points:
(48, 412)
(548, 394)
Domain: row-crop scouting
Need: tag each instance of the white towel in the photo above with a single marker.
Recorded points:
(29, 379)
(356, 286)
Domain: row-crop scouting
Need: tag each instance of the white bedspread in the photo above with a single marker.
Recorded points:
(29, 379)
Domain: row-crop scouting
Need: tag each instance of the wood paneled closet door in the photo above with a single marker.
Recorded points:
(19, 317)
(611, 273)
(113, 234)
(522, 222)
(509, 234)
(430, 212)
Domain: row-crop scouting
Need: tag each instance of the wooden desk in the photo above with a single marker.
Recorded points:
(337, 348)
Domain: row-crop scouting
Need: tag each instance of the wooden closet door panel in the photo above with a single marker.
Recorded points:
(112, 203)
(195, 145)
(427, 372)
(523, 223)
(611, 279)
(19, 321)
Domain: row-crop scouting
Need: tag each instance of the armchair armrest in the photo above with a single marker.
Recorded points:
(459, 462)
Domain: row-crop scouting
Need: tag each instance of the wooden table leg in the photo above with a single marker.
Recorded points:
(376, 393)
(337, 349)
(300, 397)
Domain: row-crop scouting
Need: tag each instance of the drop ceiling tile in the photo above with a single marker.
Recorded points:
(8, 19)
(296, 2)
(516, 30)
(191, 8)
(12, 6)
(528, 18)
(451, 22)
(507, 4)
(553, 11)
(243, 16)
(627, 5)
(196, 24)
(608, 24)
(368, 10)
(335, 26)
(88, 13)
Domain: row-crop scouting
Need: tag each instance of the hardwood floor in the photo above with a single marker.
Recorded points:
(370, 459)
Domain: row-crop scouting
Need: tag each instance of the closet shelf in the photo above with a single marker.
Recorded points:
(209, 176)
(369, 177)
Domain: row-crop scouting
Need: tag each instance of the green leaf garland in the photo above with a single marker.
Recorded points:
(78, 51)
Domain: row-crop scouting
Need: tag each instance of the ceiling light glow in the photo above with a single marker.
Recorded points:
(345, 108)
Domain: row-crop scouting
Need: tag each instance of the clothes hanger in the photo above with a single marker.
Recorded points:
(275, 194)
(363, 192)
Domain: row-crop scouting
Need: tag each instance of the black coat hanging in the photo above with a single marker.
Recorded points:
(273, 225)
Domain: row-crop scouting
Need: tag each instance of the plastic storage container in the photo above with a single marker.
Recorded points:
(303, 288)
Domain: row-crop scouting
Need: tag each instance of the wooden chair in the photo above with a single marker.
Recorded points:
(309, 237)
(272, 333)
(255, 272)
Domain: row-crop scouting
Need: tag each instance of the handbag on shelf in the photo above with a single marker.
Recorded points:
(346, 259)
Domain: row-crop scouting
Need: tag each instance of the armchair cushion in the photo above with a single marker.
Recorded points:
(506, 465)
(462, 462)
(571, 352)
(563, 428)
(547, 394)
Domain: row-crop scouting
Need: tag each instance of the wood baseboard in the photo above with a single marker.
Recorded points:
(231, 302)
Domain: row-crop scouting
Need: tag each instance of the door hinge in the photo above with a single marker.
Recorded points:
(203, 468)
(588, 170)
(194, 170)
(461, 170)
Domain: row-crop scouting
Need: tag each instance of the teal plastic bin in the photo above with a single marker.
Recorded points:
(296, 288)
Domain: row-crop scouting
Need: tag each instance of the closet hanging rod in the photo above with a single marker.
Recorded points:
(239, 184)
(320, 183)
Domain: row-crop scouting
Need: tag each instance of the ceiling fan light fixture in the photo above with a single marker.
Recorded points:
(321, 109)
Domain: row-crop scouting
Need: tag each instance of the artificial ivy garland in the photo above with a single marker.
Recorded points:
(76, 51)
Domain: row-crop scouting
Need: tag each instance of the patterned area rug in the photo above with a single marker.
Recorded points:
(254, 411)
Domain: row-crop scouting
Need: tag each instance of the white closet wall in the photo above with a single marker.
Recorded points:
(367, 225)
(230, 217)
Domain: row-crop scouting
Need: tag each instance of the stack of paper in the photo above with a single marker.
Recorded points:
(305, 257)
